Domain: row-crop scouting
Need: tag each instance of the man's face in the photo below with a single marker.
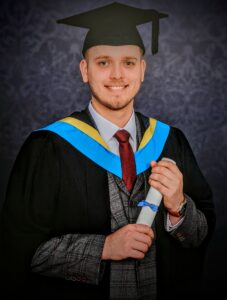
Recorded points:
(114, 74)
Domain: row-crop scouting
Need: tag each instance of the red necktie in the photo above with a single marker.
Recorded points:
(127, 158)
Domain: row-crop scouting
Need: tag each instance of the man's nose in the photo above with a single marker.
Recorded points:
(116, 71)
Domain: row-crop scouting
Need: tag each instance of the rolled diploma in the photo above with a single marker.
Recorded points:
(154, 197)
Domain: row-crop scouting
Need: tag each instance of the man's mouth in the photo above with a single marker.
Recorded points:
(116, 87)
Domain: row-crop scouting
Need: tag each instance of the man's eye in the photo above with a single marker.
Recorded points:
(129, 63)
(103, 63)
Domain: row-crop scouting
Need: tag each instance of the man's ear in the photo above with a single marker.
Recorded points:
(143, 69)
(83, 70)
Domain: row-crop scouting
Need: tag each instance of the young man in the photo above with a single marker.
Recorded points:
(69, 221)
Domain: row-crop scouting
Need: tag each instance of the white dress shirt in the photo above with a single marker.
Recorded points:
(107, 130)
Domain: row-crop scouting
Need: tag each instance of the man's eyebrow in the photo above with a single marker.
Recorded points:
(107, 57)
(102, 56)
(130, 57)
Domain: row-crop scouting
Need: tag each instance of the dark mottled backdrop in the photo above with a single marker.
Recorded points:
(186, 86)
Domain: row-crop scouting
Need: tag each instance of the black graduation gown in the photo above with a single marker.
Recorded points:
(55, 190)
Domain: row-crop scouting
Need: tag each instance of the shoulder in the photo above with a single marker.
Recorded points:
(39, 141)
(49, 139)
(176, 142)
(43, 136)
(178, 138)
(175, 134)
(37, 145)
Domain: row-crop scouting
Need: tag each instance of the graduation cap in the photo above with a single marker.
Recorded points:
(115, 25)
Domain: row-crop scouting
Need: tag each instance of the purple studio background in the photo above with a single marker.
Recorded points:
(185, 86)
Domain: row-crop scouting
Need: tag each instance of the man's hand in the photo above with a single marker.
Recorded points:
(132, 240)
(168, 180)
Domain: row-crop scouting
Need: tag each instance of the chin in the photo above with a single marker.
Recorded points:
(114, 102)
(119, 105)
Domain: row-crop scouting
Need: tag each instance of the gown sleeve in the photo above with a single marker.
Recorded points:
(26, 217)
(199, 220)
(29, 245)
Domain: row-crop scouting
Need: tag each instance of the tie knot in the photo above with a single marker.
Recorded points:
(122, 136)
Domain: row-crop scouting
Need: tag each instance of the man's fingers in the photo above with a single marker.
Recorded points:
(137, 254)
(140, 246)
(169, 165)
(153, 163)
(164, 171)
(166, 181)
(144, 229)
(160, 187)
(144, 238)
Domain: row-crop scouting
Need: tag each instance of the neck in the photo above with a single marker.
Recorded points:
(118, 117)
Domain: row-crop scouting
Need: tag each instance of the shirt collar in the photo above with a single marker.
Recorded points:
(107, 129)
